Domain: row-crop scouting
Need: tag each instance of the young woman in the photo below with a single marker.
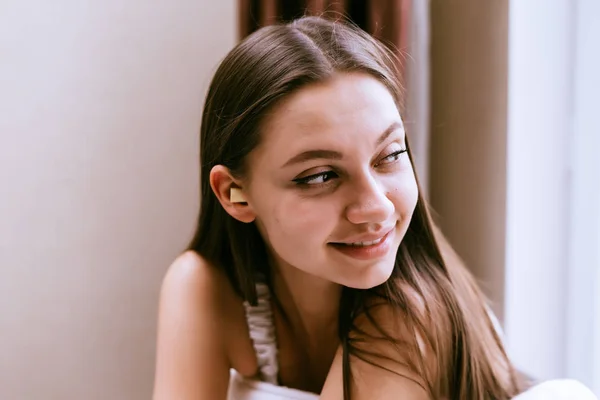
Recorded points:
(315, 268)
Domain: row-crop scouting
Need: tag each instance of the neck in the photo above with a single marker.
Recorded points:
(309, 303)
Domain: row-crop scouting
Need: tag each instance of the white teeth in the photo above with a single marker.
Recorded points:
(363, 244)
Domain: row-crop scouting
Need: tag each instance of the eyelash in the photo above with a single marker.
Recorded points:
(396, 155)
(328, 175)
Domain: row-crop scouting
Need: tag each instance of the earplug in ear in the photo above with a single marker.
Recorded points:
(236, 195)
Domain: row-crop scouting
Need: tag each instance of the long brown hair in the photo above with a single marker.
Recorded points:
(430, 290)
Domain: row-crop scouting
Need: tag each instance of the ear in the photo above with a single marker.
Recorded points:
(230, 194)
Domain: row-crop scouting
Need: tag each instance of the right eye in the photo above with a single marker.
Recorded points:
(316, 179)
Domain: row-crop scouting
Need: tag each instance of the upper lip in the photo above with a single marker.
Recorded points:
(367, 237)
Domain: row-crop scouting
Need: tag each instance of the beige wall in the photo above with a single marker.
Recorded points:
(100, 105)
(468, 137)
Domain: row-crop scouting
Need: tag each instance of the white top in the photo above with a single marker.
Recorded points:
(262, 333)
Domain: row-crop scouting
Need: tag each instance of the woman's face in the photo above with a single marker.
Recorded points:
(331, 185)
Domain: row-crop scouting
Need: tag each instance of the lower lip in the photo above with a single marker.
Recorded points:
(367, 252)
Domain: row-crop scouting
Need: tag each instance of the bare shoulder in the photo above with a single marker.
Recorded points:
(381, 366)
(192, 290)
(191, 276)
(197, 309)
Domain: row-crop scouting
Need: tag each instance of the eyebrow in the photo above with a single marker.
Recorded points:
(335, 155)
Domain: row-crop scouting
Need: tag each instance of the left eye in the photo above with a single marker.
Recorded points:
(392, 157)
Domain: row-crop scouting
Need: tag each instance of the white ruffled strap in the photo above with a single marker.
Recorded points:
(262, 333)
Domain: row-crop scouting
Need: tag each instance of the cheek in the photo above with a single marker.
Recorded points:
(405, 194)
(293, 222)
(296, 231)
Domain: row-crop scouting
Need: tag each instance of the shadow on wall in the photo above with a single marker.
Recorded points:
(102, 101)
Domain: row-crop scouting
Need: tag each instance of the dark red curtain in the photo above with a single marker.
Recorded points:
(385, 19)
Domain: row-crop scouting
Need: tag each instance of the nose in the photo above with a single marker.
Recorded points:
(369, 202)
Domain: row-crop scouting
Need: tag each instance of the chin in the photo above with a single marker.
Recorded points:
(372, 276)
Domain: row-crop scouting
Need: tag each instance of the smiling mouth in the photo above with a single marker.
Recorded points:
(363, 244)
(371, 250)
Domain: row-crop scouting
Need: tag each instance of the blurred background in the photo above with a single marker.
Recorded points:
(100, 105)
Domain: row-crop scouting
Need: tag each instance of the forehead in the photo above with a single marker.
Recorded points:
(349, 109)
